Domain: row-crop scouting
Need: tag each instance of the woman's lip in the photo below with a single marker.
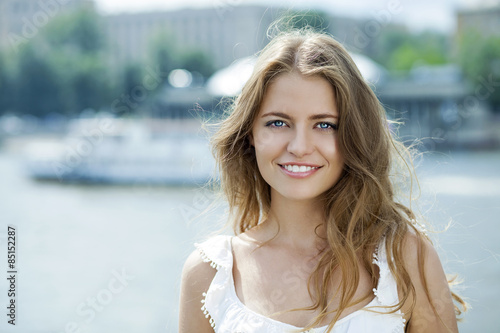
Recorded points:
(299, 174)
(300, 164)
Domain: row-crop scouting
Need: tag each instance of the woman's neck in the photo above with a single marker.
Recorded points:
(300, 223)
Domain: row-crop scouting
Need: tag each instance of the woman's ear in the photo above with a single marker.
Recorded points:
(250, 139)
(250, 150)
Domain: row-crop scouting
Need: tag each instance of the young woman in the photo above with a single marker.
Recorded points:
(322, 244)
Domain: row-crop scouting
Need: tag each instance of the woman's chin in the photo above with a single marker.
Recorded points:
(299, 196)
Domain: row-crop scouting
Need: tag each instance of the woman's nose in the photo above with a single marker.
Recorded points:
(300, 143)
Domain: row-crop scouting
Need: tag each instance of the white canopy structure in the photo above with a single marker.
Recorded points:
(230, 80)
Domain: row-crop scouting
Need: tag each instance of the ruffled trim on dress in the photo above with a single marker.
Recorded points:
(214, 251)
(205, 312)
(386, 291)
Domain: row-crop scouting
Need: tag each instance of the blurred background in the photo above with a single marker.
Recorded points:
(103, 154)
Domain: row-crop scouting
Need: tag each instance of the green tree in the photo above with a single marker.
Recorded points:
(399, 49)
(479, 58)
(76, 48)
(164, 52)
(76, 32)
(197, 61)
(89, 84)
(131, 77)
(63, 68)
(5, 86)
(38, 86)
(391, 37)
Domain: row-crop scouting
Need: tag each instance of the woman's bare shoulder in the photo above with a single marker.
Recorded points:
(421, 260)
(420, 256)
(434, 309)
(197, 275)
(197, 272)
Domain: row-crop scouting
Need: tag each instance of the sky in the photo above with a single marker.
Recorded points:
(418, 15)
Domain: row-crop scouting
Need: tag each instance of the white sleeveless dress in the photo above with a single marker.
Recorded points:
(227, 314)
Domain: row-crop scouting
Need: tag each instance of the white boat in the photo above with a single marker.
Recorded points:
(121, 151)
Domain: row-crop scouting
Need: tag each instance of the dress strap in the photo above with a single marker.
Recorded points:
(216, 251)
(387, 289)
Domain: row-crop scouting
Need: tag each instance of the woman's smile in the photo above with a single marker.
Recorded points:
(299, 170)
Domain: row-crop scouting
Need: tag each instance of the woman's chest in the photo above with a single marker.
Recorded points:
(271, 284)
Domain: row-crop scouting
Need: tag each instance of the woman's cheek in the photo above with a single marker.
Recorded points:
(263, 137)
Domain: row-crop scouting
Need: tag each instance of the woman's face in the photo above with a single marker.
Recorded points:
(295, 137)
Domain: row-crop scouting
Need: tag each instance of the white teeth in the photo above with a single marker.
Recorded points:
(296, 168)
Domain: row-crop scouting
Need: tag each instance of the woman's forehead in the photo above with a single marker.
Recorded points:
(295, 93)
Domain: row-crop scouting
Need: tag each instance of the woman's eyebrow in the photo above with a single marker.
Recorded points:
(313, 117)
(322, 116)
(276, 114)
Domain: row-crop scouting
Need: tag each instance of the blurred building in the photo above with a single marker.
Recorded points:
(484, 19)
(225, 34)
(435, 104)
(21, 20)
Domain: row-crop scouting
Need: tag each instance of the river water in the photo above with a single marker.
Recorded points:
(108, 258)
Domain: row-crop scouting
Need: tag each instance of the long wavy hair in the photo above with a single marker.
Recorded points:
(361, 208)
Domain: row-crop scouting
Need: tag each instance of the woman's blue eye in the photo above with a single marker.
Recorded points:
(276, 123)
(326, 126)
